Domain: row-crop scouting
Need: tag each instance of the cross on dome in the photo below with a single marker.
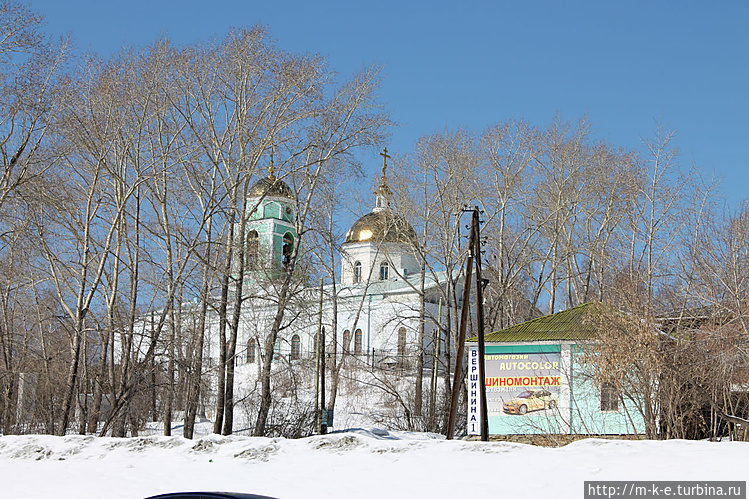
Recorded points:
(383, 192)
(271, 167)
(385, 157)
(271, 185)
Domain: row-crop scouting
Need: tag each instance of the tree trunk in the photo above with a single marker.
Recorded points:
(231, 344)
(270, 341)
(418, 390)
(194, 378)
(223, 309)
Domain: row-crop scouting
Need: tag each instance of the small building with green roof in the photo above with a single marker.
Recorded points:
(537, 382)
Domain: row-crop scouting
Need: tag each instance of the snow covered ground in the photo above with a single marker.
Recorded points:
(355, 464)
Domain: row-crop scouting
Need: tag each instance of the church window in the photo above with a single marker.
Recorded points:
(346, 340)
(402, 342)
(251, 351)
(609, 397)
(287, 249)
(296, 350)
(252, 249)
(357, 272)
(358, 342)
(384, 271)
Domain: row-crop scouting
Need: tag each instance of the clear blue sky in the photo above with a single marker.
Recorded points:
(475, 63)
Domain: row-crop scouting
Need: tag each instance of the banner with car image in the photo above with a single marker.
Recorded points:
(522, 384)
(523, 390)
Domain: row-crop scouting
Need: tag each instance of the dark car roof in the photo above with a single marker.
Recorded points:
(208, 495)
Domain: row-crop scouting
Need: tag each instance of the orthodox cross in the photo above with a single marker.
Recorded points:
(385, 157)
(272, 167)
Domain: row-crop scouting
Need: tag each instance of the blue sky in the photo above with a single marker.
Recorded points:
(473, 64)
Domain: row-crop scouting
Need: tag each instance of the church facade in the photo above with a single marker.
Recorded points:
(373, 312)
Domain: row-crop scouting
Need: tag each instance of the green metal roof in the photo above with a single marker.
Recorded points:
(562, 326)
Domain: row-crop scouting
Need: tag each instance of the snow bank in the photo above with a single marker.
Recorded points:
(359, 463)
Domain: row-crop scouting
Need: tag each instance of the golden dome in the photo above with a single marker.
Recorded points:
(271, 186)
(381, 227)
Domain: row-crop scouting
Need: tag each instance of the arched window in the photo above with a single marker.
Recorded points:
(346, 340)
(357, 342)
(251, 351)
(402, 341)
(296, 348)
(252, 249)
(287, 249)
(384, 271)
(357, 272)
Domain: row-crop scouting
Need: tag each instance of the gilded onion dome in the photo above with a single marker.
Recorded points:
(382, 225)
(271, 186)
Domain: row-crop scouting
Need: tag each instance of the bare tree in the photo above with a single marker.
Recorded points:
(441, 178)
(510, 150)
(30, 69)
(654, 217)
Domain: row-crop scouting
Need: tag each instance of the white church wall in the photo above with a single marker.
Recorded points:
(400, 258)
(380, 319)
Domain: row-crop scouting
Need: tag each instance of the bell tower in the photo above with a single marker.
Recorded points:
(270, 233)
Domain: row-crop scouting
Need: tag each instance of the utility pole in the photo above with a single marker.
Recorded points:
(474, 253)
(461, 335)
(480, 283)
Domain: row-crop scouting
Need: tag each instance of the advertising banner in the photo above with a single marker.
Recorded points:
(522, 391)
(522, 384)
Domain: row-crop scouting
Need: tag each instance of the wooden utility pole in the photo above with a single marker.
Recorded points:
(461, 335)
(474, 252)
(475, 227)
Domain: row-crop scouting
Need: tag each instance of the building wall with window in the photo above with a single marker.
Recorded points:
(379, 321)
(601, 408)
(370, 258)
(537, 382)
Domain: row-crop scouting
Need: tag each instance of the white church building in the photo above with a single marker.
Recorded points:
(378, 303)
